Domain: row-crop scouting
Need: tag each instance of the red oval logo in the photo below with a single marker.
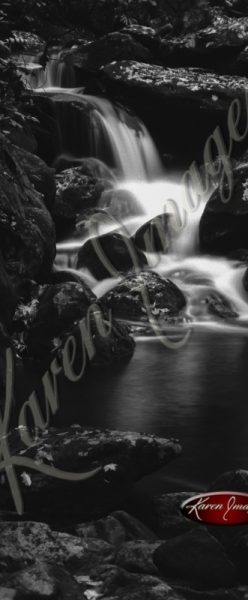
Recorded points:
(217, 508)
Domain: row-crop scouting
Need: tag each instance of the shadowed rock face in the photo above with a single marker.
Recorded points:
(137, 295)
(122, 459)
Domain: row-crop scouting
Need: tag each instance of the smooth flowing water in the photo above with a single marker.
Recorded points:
(198, 393)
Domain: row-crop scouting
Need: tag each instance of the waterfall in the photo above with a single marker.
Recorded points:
(92, 126)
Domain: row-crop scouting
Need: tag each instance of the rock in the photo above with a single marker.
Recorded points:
(154, 236)
(180, 85)
(75, 193)
(109, 255)
(26, 227)
(220, 307)
(137, 557)
(224, 226)
(43, 581)
(115, 529)
(195, 556)
(118, 584)
(136, 295)
(121, 457)
(114, 46)
(232, 480)
(41, 176)
(51, 311)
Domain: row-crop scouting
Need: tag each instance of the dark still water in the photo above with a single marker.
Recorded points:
(198, 394)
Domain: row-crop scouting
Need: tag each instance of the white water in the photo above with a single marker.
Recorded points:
(113, 132)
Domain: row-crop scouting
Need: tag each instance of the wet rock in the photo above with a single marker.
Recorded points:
(41, 176)
(137, 557)
(116, 528)
(75, 193)
(223, 226)
(138, 295)
(120, 457)
(181, 85)
(90, 167)
(26, 227)
(109, 255)
(154, 236)
(195, 556)
(220, 307)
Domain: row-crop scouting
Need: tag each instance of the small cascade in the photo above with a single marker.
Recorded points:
(91, 126)
(58, 72)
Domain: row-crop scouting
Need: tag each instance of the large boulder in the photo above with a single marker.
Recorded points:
(49, 314)
(118, 459)
(26, 227)
(140, 294)
(195, 556)
(109, 255)
(224, 226)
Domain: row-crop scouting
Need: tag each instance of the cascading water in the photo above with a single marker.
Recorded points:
(121, 140)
